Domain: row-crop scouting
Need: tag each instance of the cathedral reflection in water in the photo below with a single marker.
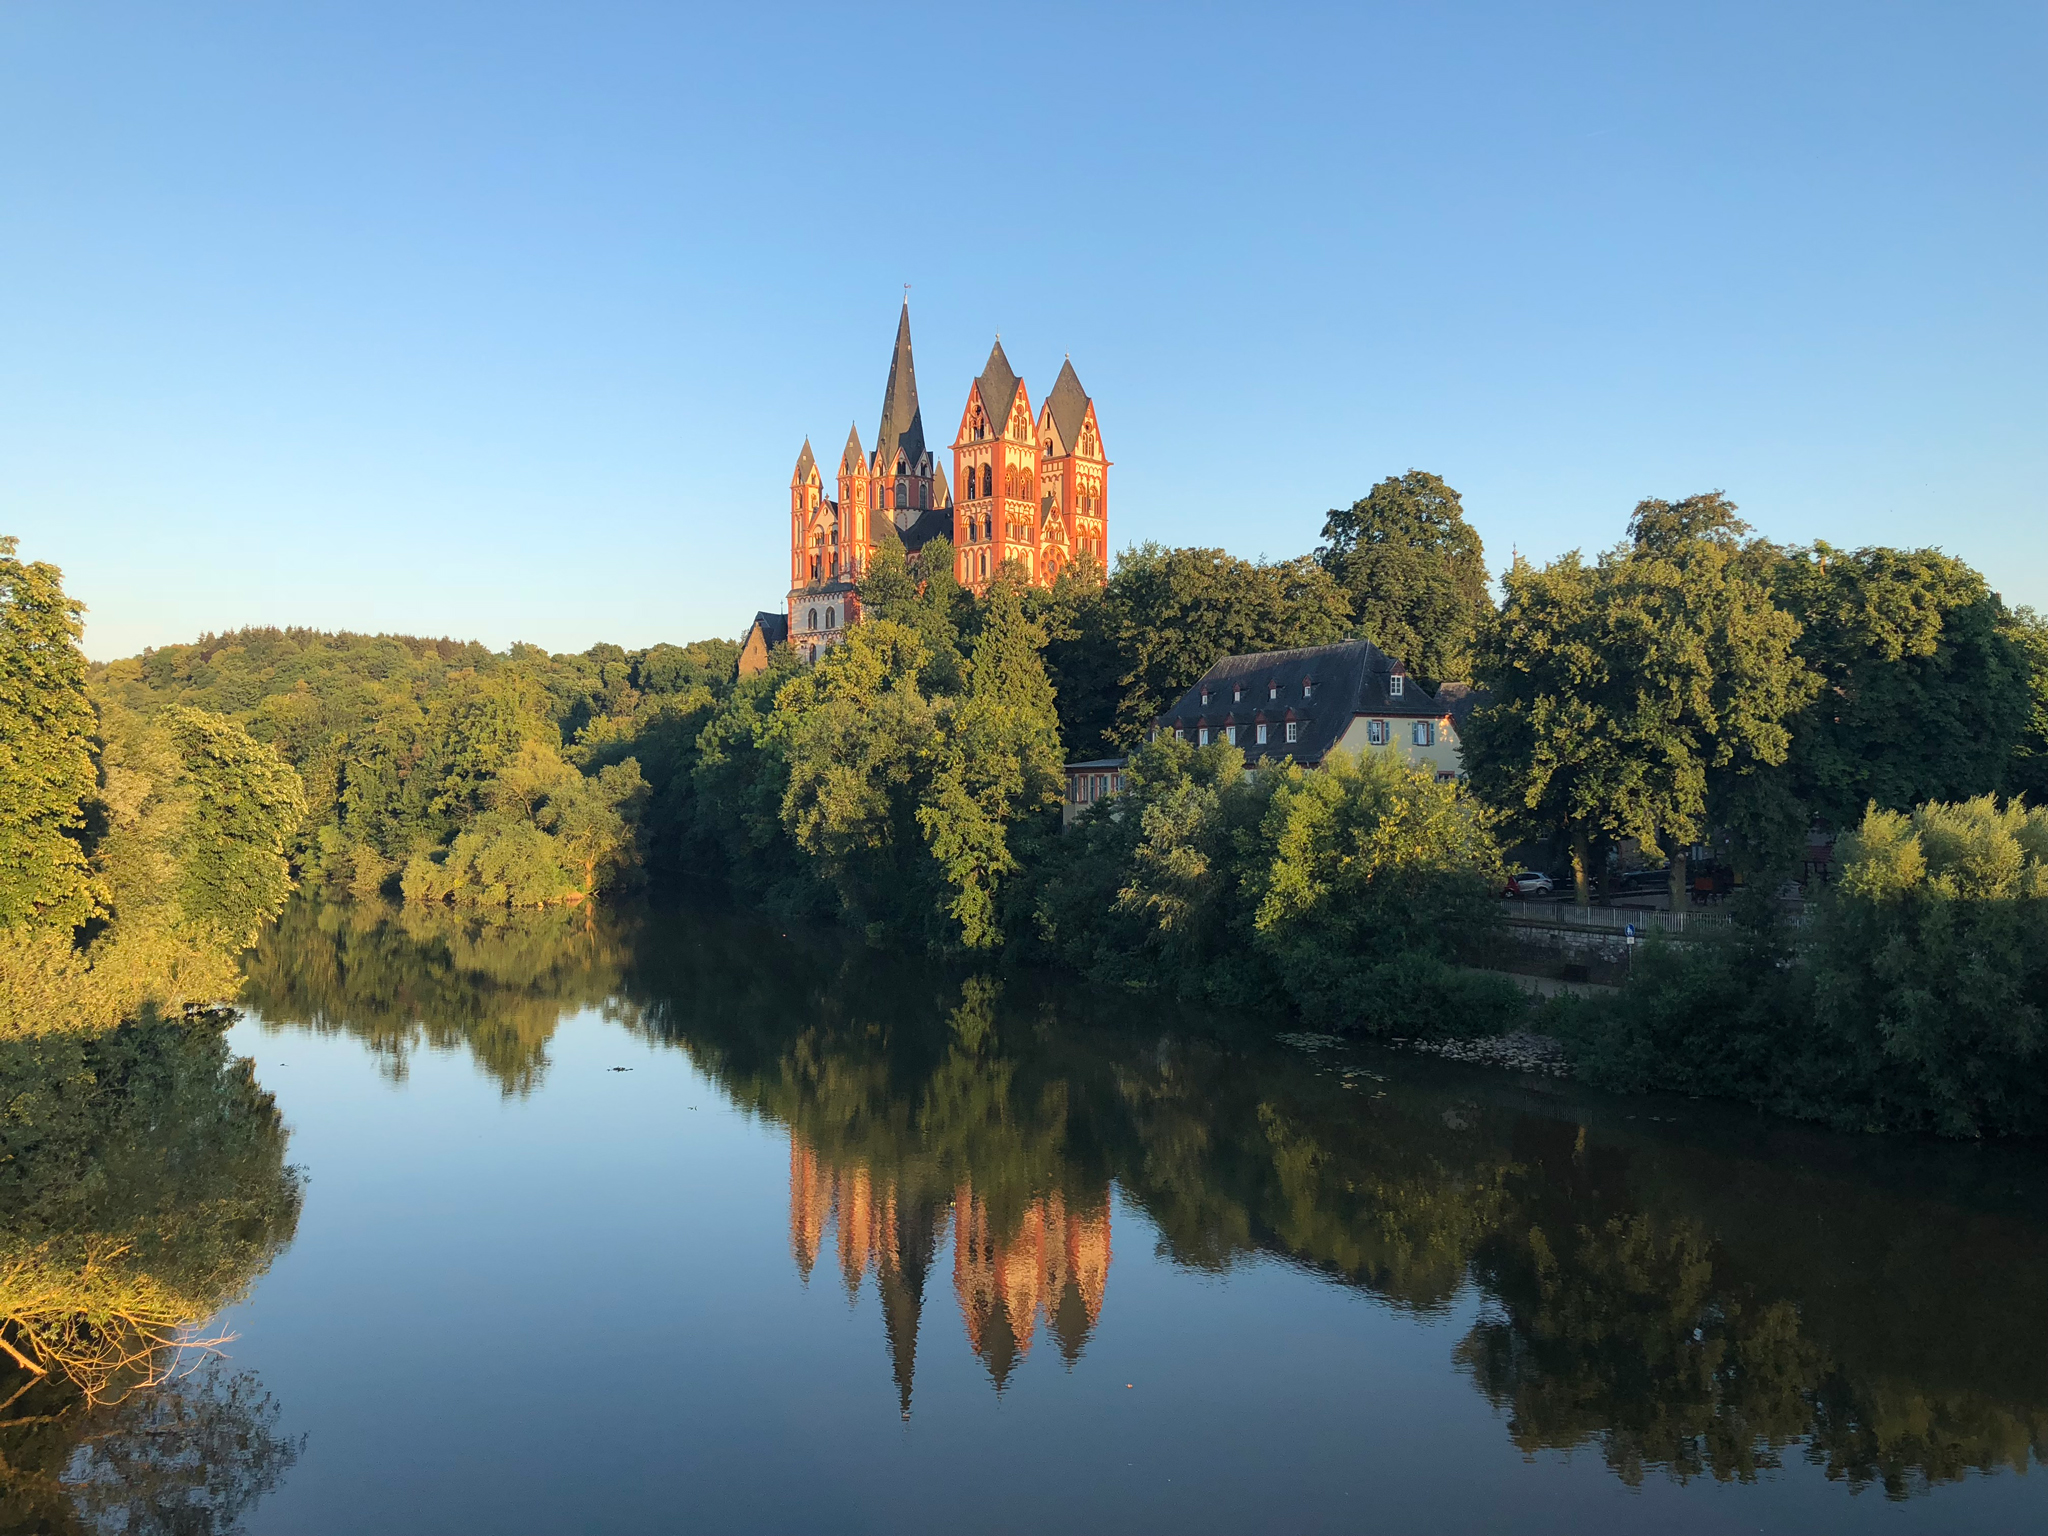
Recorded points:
(1010, 1273)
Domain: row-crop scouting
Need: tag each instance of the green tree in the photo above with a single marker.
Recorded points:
(1924, 680)
(593, 819)
(1415, 571)
(1549, 748)
(1366, 876)
(1712, 676)
(738, 783)
(678, 669)
(2028, 773)
(1629, 695)
(1082, 659)
(1174, 612)
(46, 767)
(999, 764)
(922, 594)
(862, 736)
(243, 803)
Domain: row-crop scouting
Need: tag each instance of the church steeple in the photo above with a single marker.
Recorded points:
(998, 384)
(901, 438)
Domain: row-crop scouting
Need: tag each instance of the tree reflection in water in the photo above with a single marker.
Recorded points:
(1708, 1306)
(494, 982)
(143, 1188)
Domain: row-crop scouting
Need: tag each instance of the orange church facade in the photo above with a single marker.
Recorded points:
(1027, 488)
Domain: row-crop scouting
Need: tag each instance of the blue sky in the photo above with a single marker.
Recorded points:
(507, 321)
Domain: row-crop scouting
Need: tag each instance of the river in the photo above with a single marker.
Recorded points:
(674, 1220)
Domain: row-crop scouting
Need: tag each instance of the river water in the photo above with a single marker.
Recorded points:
(672, 1220)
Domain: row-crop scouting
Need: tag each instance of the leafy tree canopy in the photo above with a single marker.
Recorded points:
(46, 768)
(1415, 572)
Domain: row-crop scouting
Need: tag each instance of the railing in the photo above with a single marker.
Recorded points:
(1565, 914)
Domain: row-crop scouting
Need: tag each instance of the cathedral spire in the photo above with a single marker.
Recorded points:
(998, 383)
(902, 431)
(1069, 404)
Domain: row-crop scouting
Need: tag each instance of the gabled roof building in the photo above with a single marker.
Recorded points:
(1301, 705)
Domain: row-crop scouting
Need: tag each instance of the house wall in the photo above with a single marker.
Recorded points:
(1444, 757)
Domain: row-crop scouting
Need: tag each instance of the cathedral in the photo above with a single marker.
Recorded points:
(1031, 488)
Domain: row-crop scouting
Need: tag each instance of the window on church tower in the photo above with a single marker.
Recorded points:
(831, 618)
(812, 618)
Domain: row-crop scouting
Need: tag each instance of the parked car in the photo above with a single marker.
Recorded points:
(1528, 882)
(1643, 880)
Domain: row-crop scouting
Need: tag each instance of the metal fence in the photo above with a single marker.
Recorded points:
(1565, 914)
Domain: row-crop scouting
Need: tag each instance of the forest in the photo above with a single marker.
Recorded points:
(1694, 684)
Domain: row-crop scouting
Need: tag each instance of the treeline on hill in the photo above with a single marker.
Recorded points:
(1692, 684)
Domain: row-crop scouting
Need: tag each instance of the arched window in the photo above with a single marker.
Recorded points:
(831, 618)
(814, 653)
(988, 480)
(813, 617)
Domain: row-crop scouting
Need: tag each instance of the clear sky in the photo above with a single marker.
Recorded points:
(507, 321)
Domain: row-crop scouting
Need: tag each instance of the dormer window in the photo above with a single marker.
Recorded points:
(1237, 694)
(1205, 695)
(1308, 687)
(1272, 690)
(1394, 684)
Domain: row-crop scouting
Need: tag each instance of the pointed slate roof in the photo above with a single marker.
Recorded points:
(998, 383)
(942, 494)
(1069, 403)
(805, 464)
(902, 427)
(852, 460)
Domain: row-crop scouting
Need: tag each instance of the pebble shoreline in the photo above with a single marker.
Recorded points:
(1522, 1051)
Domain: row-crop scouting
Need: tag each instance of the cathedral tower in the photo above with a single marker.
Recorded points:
(995, 467)
(1026, 490)
(1035, 493)
(1073, 479)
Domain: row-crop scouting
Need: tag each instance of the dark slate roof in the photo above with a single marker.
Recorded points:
(852, 459)
(942, 494)
(804, 462)
(902, 427)
(774, 629)
(1350, 679)
(1069, 403)
(929, 525)
(1458, 700)
(998, 383)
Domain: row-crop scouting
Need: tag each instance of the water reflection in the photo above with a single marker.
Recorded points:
(1050, 1265)
(143, 1188)
(1708, 1302)
(494, 982)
